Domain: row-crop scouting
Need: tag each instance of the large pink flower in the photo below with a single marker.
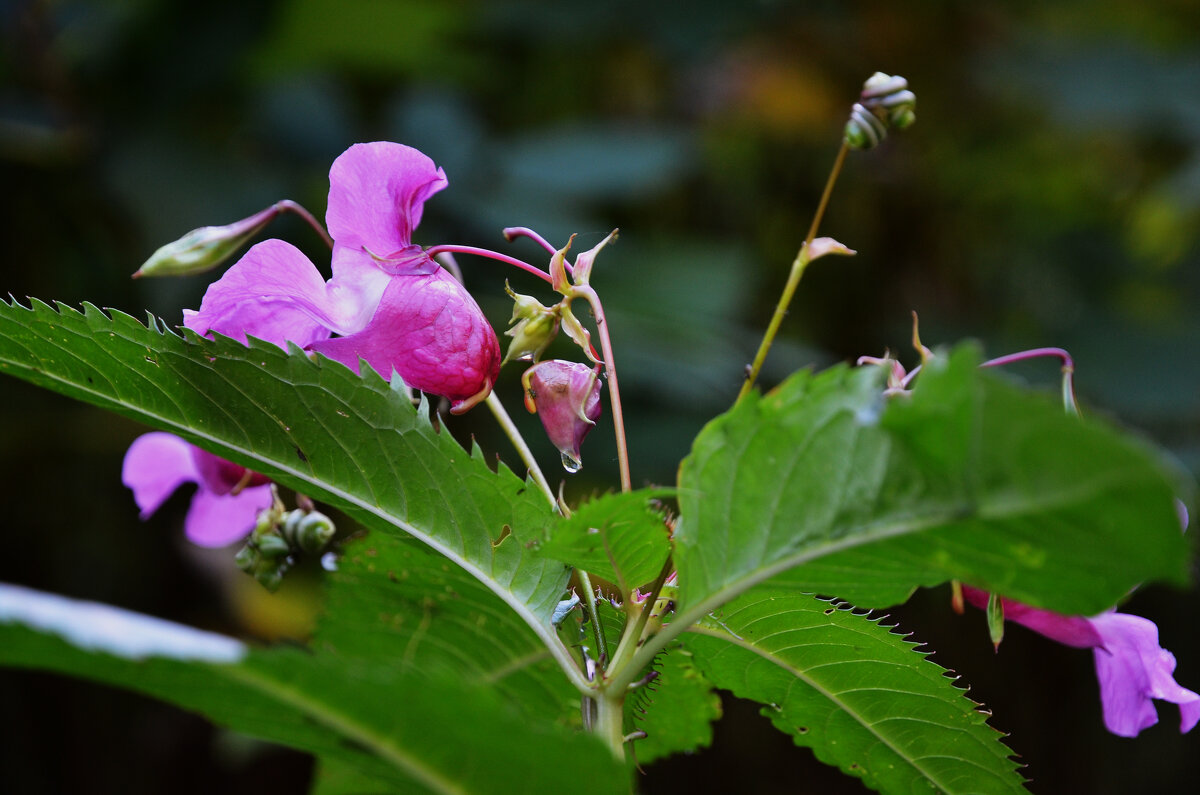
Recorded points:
(1132, 668)
(388, 301)
(227, 500)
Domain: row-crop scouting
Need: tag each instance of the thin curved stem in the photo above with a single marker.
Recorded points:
(1068, 370)
(511, 233)
(610, 368)
(798, 267)
(483, 252)
(288, 204)
(518, 442)
(589, 600)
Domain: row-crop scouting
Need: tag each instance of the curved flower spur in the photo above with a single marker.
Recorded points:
(389, 302)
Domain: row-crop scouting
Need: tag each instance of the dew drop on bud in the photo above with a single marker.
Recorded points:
(571, 463)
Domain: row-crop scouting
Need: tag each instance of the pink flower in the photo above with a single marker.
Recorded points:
(391, 304)
(1132, 668)
(566, 395)
(227, 500)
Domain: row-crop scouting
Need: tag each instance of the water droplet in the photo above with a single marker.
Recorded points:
(571, 463)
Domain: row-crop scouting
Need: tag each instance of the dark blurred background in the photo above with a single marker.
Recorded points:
(1049, 194)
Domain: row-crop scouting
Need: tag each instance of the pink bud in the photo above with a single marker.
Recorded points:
(567, 397)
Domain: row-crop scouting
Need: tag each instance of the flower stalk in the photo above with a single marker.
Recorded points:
(799, 265)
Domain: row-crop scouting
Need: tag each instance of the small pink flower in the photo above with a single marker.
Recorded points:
(228, 498)
(566, 395)
(391, 304)
(1132, 668)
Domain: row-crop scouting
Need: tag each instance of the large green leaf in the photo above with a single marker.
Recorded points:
(373, 717)
(393, 602)
(315, 426)
(860, 696)
(825, 486)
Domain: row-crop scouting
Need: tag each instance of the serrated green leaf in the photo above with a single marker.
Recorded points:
(393, 601)
(676, 710)
(388, 722)
(314, 426)
(864, 699)
(823, 486)
(619, 537)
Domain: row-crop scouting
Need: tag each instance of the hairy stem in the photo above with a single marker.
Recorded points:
(798, 267)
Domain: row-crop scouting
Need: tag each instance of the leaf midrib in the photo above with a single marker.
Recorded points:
(772, 658)
(345, 725)
(97, 397)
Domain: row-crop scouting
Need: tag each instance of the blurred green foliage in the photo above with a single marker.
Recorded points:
(1048, 195)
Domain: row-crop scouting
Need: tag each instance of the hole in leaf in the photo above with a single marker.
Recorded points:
(505, 533)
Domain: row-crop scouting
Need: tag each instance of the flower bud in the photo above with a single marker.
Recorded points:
(536, 327)
(567, 397)
(204, 248)
(308, 531)
(885, 104)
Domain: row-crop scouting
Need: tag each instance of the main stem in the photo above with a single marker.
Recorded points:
(798, 267)
(610, 721)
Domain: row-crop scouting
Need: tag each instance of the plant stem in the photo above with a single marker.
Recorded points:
(513, 232)
(1068, 371)
(798, 266)
(610, 721)
(589, 600)
(518, 441)
(610, 369)
(632, 636)
(589, 596)
(433, 251)
(288, 204)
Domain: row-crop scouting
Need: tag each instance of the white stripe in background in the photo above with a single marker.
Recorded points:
(96, 627)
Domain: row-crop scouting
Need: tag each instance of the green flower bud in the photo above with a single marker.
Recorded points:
(204, 248)
(885, 104)
(308, 531)
(536, 327)
(995, 619)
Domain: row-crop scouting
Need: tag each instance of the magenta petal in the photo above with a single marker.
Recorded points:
(1133, 669)
(430, 331)
(155, 465)
(567, 398)
(377, 192)
(221, 476)
(274, 293)
(216, 520)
